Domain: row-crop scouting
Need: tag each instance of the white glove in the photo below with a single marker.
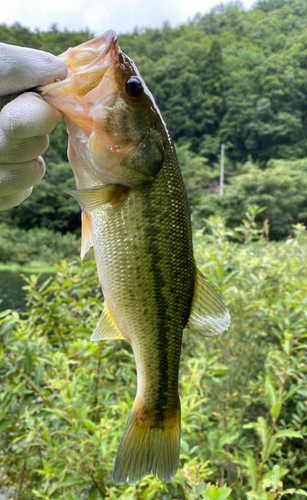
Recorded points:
(25, 120)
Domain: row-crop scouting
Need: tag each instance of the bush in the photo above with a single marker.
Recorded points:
(18, 246)
(281, 188)
(49, 206)
(65, 401)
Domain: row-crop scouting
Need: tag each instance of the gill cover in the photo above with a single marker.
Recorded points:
(117, 134)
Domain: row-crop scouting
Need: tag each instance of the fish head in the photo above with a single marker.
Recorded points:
(116, 131)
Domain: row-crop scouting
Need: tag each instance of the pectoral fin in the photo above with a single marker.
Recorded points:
(208, 316)
(106, 328)
(86, 234)
(92, 198)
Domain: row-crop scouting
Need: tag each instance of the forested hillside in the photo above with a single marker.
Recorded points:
(231, 76)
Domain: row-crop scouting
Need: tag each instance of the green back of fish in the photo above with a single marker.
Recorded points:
(144, 255)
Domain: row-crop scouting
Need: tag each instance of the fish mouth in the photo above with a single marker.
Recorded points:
(87, 64)
(86, 56)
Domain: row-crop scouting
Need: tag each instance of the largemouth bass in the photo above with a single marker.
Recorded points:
(135, 214)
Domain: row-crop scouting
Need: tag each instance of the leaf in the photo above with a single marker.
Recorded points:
(38, 494)
(274, 445)
(5, 313)
(219, 369)
(271, 390)
(262, 431)
(39, 372)
(275, 409)
(251, 470)
(94, 494)
(27, 363)
(228, 438)
(184, 445)
(211, 493)
(206, 495)
(292, 391)
(5, 422)
(286, 346)
(90, 425)
(273, 476)
(290, 491)
(220, 271)
(288, 433)
(224, 493)
(214, 493)
(192, 450)
(44, 284)
(199, 488)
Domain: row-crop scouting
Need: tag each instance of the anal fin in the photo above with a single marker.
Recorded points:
(86, 234)
(209, 315)
(106, 328)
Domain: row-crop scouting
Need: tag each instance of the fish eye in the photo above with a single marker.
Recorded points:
(134, 87)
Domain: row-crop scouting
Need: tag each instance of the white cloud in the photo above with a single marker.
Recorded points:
(100, 15)
(96, 15)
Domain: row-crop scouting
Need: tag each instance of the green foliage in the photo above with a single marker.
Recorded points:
(64, 401)
(281, 189)
(49, 206)
(195, 170)
(23, 247)
(236, 76)
(58, 142)
(53, 40)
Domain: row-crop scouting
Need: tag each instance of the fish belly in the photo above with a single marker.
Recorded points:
(144, 256)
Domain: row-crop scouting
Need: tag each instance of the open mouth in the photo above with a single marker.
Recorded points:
(87, 64)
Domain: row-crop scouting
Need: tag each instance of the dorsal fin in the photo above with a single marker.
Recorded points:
(208, 316)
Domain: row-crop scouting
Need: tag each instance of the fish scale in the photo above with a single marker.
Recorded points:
(133, 239)
(135, 214)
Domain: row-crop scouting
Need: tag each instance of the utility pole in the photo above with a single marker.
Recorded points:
(222, 170)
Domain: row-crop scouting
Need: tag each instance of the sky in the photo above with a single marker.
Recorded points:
(100, 15)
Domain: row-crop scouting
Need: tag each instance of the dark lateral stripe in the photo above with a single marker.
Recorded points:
(151, 213)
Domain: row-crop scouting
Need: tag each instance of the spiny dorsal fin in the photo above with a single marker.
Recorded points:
(86, 234)
(106, 328)
(208, 316)
(94, 197)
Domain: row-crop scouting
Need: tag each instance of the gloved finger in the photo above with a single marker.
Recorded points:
(21, 150)
(28, 115)
(5, 99)
(13, 200)
(22, 68)
(20, 176)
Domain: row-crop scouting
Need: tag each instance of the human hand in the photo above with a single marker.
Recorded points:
(25, 119)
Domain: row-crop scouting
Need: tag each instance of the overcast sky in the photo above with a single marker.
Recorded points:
(101, 15)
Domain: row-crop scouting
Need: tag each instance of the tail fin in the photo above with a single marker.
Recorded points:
(148, 446)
